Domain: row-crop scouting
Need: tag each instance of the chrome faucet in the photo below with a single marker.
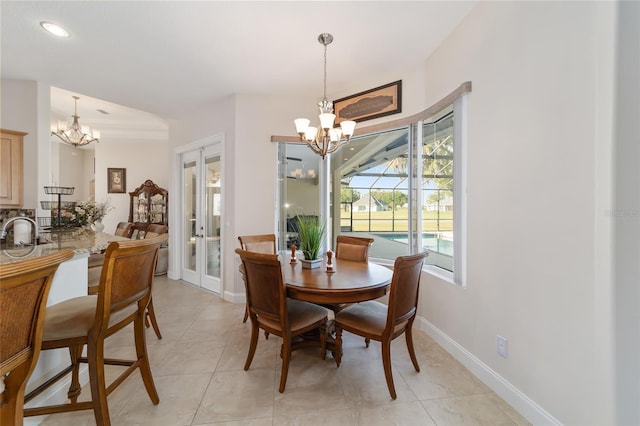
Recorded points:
(3, 231)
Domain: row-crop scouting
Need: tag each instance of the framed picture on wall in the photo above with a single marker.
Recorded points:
(374, 103)
(116, 181)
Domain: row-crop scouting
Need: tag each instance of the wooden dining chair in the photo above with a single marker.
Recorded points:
(383, 323)
(265, 243)
(353, 248)
(24, 288)
(123, 229)
(95, 269)
(272, 311)
(122, 299)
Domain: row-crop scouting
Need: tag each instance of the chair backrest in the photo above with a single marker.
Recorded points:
(259, 243)
(126, 279)
(24, 288)
(265, 289)
(154, 230)
(353, 248)
(405, 285)
(124, 229)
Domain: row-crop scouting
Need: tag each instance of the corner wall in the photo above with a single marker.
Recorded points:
(19, 100)
(533, 248)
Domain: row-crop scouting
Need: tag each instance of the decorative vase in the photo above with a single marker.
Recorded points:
(310, 264)
(97, 226)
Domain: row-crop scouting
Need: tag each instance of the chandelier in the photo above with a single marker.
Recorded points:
(326, 138)
(76, 135)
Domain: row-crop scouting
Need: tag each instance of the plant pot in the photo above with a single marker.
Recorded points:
(310, 264)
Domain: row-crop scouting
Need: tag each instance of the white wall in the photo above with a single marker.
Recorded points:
(19, 106)
(142, 160)
(71, 172)
(217, 119)
(303, 196)
(532, 149)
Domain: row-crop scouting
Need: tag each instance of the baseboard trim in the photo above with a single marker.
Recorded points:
(234, 297)
(528, 408)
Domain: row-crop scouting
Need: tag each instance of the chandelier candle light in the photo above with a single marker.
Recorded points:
(326, 138)
(76, 135)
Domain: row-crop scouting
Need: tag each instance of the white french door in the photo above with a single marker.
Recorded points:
(201, 217)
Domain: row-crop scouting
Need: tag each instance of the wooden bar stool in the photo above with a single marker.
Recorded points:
(123, 296)
(24, 288)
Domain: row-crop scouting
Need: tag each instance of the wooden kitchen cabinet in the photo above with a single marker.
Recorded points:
(11, 168)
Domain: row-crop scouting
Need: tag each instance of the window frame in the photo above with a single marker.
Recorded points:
(413, 123)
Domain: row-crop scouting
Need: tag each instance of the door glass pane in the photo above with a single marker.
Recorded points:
(189, 203)
(213, 215)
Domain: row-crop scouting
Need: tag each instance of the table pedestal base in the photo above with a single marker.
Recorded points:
(312, 339)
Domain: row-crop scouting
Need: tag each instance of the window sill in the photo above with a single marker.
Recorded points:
(439, 273)
(432, 270)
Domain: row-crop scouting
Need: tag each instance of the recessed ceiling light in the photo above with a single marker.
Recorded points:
(54, 29)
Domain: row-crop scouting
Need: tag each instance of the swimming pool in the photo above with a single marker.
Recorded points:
(430, 241)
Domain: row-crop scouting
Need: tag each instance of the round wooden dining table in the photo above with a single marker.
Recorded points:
(351, 282)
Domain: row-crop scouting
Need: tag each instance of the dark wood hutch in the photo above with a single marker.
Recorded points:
(148, 205)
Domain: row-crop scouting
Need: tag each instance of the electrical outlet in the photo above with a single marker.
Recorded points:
(501, 346)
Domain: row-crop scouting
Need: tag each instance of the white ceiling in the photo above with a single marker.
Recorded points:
(164, 59)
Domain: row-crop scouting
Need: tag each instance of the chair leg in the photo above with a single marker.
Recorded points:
(412, 353)
(386, 362)
(286, 356)
(143, 356)
(366, 342)
(246, 313)
(75, 352)
(253, 344)
(151, 315)
(337, 355)
(323, 341)
(12, 398)
(95, 359)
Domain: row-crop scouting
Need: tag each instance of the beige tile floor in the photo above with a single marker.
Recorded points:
(197, 368)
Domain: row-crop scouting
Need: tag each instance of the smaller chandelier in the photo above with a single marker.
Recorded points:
(75, 135)
(326, 138)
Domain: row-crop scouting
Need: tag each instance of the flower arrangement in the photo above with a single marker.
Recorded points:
(69, 218)
(92, 211)
(83, 214)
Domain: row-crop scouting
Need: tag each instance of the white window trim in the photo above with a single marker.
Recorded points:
(460, 191)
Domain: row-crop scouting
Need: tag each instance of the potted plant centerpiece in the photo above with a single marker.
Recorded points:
(310, 234)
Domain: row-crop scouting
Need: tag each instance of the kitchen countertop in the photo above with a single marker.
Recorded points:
(82, 241)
